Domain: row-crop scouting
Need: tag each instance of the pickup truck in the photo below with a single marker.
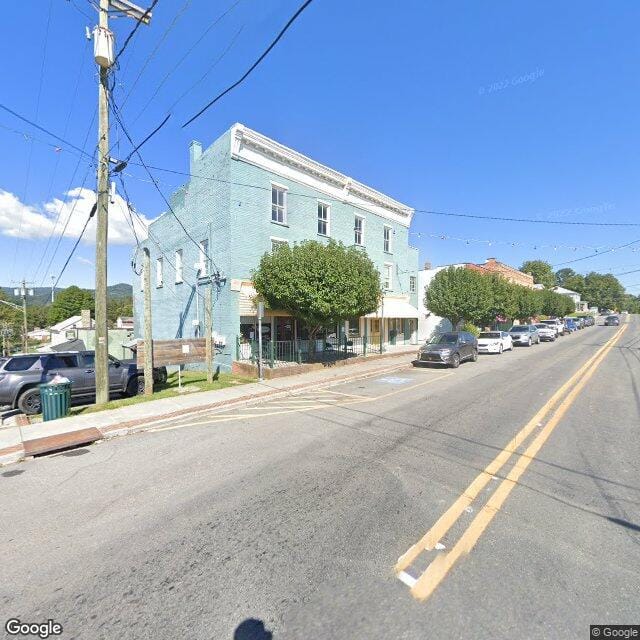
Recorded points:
(21, 375)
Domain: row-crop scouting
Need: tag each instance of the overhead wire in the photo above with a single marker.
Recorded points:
(184, 57)
(133, 31)
(264, 54)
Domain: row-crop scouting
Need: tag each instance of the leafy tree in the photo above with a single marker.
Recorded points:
(117, 307)
(504, 299)
(603, 290)
(69, 302)
(458, 293)
(575, 283)
(562, 275)
(556, 304)
(528, 301)
(320, 284)
(541, 271)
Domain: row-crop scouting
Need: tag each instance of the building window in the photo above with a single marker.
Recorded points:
(278, 204)
(358, 230)
(354, 327)
(375, 326)
(412, 284)
(387, 277)
(323, 219)
(387, 238)
(159, 274)
(203, 259)
(179, 269)
(278, 242)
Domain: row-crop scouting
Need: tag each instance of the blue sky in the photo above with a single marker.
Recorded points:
(503, 109)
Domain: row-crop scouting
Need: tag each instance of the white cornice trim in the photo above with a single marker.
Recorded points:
(254, 148)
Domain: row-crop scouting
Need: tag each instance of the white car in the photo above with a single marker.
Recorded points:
(557, 324)
(494, 342)
(547, 333)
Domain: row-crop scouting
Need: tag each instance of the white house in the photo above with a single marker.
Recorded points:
(575, 296)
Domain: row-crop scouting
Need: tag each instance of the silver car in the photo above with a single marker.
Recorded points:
(524, 334)
(547, 333)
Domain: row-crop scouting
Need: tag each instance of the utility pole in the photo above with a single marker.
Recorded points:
(23, 292)
(53, 288)
(148, 325)
(208, 328)
(104, 57)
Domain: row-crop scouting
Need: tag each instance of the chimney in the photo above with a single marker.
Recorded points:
(195, 151)
(427, 265)
(85, 319)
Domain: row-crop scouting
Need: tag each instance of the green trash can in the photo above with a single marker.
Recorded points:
(56, 399)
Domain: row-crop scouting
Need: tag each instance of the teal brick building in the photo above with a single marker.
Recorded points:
(247, 193)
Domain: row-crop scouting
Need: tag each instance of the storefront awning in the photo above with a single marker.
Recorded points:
(394, 308)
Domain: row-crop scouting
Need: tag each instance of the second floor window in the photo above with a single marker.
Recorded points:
(159, 272)
(358, 231)
(412, 284)
(323, 219)
(179, 270)
(278, 204)
(387, 239)
(203, 257)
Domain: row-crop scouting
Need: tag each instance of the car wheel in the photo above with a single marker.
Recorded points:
(474, 356)
(162, 377)
(529, 343)
(30, 402)
(500, 350)
(455, 361)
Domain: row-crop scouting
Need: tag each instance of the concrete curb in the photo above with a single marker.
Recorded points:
(14, 446)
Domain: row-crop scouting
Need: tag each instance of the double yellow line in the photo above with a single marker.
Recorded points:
(423, 586)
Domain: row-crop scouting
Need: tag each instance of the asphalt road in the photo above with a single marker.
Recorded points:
(291, 515)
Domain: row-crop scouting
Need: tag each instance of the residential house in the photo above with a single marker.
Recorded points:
(124, 322)
(246, 195)
(575, 296)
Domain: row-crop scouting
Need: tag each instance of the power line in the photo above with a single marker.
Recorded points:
(117, 114)
(184, 57)
(163, 37)
(49, 133)
(75, 246)
(598, 253)
(254, 65)
(133, 31)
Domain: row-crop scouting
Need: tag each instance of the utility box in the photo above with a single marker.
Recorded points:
(103, 47)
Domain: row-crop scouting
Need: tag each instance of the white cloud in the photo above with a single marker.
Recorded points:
(19, 220)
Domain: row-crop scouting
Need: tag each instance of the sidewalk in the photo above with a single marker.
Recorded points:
(18, 443)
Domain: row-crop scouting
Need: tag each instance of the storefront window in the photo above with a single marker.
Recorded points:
(354, 327)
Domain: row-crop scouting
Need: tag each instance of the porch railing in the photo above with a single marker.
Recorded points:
(280, 353)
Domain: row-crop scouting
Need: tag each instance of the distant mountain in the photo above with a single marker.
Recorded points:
(42, 295)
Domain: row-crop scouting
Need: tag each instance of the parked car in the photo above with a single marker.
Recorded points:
(579, 322)
(570, 325)
(612, 321)
(494, 342)
(588, 320)
(556, 323)
(450, 348)
(546, 333)
(21, 375)
(524, 334)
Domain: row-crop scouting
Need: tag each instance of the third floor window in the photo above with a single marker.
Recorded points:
(323, 219)
(358, 230)
(387, 238)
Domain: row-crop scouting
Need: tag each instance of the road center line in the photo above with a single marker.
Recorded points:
(448, 519)
(436, 572)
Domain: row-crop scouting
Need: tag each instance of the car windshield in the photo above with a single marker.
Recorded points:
(444, 338)
(21, 364)
(490, 334)
(541, 326)
(519, 329)
(547, 322)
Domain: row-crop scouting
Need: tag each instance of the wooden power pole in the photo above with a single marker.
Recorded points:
(148, 325)
(104, 57)
(208, 328)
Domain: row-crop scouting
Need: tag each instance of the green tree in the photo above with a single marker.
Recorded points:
(457, 293)
(575, 283)
(117, 307)
(562, 275)
(529, 303)
(504, 299)
(603, 290)
(319, 284)
(69, 302)
(541, 271)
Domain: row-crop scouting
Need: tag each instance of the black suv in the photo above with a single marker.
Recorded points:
(21, 375)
